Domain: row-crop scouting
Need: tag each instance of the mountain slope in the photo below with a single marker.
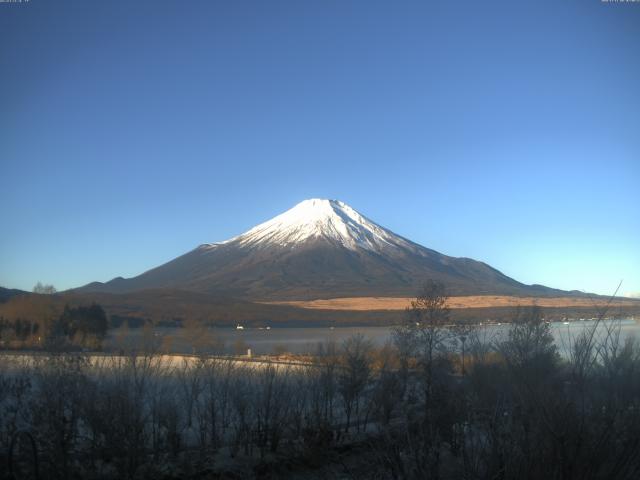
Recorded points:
(319, 249)
(8, 293)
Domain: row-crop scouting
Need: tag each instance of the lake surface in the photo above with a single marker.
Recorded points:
(306, 340)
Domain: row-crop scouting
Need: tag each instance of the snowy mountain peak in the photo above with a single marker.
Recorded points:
(315, 219)
(318, 249)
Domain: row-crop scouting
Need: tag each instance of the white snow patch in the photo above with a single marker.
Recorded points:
(319, 218)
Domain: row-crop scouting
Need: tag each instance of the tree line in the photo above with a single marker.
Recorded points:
(437, 402)
(81, 326)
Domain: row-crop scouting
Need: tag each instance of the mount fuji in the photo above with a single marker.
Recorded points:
(319, 249)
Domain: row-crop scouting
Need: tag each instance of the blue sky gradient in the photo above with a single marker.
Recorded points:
(509, 132)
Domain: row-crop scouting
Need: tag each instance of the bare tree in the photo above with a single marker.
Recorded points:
(424, 340)
(354, 375)
(529, 344)
(44, 289)
(424, 333)
(387, 388)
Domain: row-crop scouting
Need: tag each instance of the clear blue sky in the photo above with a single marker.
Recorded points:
(132, 131)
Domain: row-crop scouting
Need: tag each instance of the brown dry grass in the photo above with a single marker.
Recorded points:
(476, 301)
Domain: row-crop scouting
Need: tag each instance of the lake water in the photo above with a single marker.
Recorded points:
(306, 340)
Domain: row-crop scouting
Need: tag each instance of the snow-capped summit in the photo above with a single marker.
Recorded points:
(315, 219)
